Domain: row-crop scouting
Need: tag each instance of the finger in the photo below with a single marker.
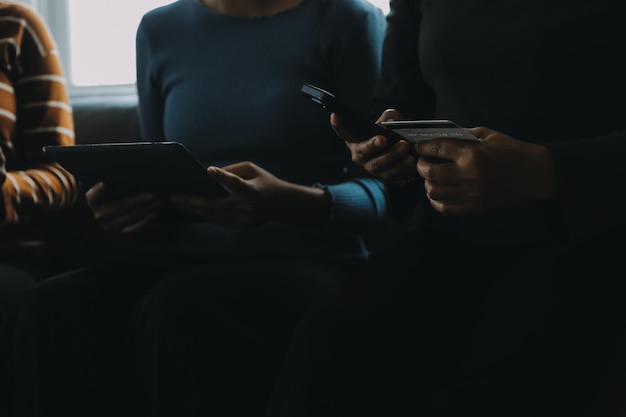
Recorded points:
(446, 199)
(442, 149)
(119, 222)
(401, 172)
(209, 209)
(343, 130)
(480, 131)
(396, 159)
(228, 179)
(446, 208)
(245, 169)
(141, 224)
(442, 207)
(117, 208)
(448, 194)
(365, 151)
(96, 192)
(432, 148)
(441, 171)
(389, 115)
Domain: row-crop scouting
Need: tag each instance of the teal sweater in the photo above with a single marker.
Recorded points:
(229, 89)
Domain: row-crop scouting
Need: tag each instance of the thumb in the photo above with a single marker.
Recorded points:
(342, 129)
(231, 181)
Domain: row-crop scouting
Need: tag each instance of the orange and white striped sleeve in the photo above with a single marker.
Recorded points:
(34, 111)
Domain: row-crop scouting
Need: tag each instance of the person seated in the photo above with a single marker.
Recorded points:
(34, 111)
(211, 288)
(506, 297)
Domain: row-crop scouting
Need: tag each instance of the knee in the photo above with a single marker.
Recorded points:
(40, 304)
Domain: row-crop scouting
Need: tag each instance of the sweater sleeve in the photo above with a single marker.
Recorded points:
(592, 199)
(151, 108)
(356, 204)
(34, 111)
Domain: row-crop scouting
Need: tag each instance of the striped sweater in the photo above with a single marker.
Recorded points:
(34, 111)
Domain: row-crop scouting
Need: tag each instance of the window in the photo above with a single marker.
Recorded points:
(97, 40)
(383, 4)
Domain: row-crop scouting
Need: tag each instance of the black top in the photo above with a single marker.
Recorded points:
(545, 71)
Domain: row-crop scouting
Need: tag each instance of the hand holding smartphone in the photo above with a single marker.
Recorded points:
(412, 131)
(360, 126)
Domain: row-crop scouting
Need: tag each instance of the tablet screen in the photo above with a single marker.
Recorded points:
(162, 168)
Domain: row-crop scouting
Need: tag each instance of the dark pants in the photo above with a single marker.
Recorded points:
(211, 341)
(111, 341)
(449, 329)
(19, 272)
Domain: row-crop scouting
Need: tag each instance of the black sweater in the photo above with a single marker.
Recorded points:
(543, 71)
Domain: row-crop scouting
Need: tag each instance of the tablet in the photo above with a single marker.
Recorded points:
(162, 168)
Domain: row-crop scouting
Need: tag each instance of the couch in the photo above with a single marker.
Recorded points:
(107, 118)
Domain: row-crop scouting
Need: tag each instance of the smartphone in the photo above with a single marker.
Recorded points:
(363, 128)
(417, 130)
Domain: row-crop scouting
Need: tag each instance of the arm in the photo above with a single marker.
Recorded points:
(257, 197)
(401, 87)
(590, 175)
(151, 104)
(361, 201)
(34, 111)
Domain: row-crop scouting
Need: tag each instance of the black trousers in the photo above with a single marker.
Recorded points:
(159, 337)
(443, 328)
(18, 273)
(20, 270)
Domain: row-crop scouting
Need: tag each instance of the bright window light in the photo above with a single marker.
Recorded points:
(101, 39)
(102, 34)
(383, 4)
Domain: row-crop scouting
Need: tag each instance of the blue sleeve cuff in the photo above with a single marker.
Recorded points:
(357, 205)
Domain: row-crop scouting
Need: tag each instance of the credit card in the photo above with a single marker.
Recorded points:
(417, 130)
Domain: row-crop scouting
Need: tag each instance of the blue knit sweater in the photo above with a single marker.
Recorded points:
(229, 89)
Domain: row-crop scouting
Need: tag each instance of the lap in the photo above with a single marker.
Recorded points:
(492, 332)
(211, 334)
(299, 283)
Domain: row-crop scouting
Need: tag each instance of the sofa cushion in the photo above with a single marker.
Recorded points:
(107, 118)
